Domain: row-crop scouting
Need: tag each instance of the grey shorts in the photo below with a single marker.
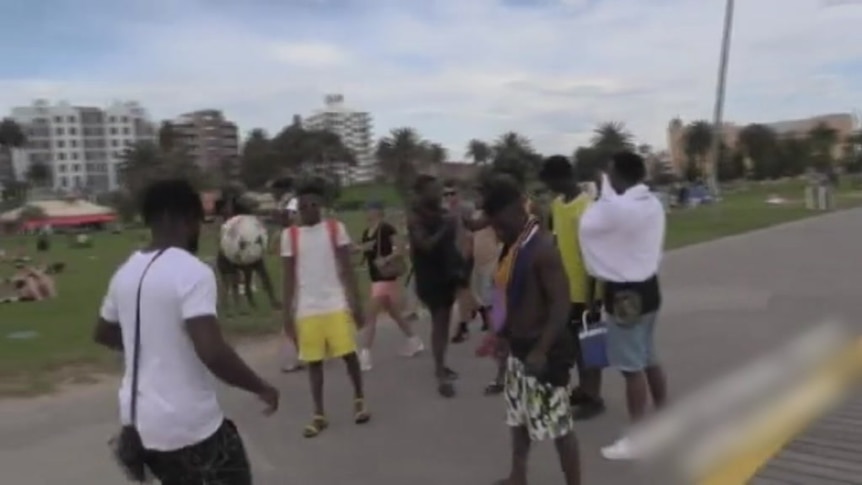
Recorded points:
(631, 348)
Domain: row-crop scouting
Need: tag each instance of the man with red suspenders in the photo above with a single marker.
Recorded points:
(321, 300)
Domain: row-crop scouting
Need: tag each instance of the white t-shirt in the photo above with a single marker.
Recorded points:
(177, 403)
(319, 289)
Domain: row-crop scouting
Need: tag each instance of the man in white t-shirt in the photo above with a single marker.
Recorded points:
(160, 309)
(321, 299)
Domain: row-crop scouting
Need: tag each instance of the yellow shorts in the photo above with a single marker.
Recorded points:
(328, 335)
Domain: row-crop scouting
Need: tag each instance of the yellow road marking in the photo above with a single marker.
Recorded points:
(772, 429)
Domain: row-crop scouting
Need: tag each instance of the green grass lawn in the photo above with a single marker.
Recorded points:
(62, 351)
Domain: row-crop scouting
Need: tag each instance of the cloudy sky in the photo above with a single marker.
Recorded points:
(453, 69)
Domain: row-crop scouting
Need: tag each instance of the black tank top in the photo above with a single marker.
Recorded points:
(434, 265)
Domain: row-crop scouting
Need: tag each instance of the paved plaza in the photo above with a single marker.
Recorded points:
(725, 303)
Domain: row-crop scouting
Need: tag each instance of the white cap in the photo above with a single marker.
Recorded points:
(292, 205)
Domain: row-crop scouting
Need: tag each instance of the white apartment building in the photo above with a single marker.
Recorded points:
(83, 146)
(355, 129)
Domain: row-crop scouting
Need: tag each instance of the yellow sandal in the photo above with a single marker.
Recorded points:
(360, 413)
(317, 425)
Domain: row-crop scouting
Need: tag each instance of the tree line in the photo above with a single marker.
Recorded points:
(294, 151)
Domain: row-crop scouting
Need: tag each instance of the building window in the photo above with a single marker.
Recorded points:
(58, 119)
(63, 182)
(62, 169)
(76, 167)
(114, 143)
(74, 156)
(113, 131)
(73, 131)
(61, 144)
(61, 156)
(112, 119)
(73, 143)
(125, 130)
(59, 131)
(71, 119)
(125, 119)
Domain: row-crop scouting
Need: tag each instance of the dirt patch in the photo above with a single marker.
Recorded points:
(81, 377)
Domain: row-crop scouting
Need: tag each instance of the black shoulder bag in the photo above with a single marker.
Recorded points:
(127, 446)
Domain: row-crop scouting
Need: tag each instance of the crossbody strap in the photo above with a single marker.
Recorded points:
(137, 346)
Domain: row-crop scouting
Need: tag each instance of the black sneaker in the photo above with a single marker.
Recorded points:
(461, 334)
(589, 410)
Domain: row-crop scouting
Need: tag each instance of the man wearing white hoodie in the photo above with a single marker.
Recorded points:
(622, 238)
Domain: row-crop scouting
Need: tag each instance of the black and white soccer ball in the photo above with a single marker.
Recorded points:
(244, 239)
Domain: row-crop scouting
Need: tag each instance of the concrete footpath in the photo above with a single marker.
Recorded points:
(726, 302)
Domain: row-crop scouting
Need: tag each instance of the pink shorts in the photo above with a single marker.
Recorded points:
(385, 289)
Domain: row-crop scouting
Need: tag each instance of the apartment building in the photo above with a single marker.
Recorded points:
(355, 129)
(83, 146)
(844, 125)
(210, 140)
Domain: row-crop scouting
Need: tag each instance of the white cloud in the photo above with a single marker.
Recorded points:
(457, 70)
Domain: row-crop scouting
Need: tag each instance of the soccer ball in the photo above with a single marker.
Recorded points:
(244, 239)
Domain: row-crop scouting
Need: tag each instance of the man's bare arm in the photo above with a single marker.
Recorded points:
(555, 286)
(288, 293)
(348, 279)
(219, 357)
(108, 334)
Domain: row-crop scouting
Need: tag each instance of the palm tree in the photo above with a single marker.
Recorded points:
(512, 143)
(436, 153)
(697, 142)
(11, 136)
(167, 137)
(588, 162)
(611, 137)
(259, 161)
(823, 139)
(398, 155)
(479, 151)
(759, 144)
(39, 174)
(514, 154)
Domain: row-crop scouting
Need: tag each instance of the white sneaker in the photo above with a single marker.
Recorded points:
(365, 360)
(622, 449)
(412, 347)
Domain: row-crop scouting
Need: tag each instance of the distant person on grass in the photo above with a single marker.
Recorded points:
(383, 254)
(236, 275)
(622, 236)
(438, 269)
(567, 208)
(535, 289)
(462, 212)
(321, 300)
(160, 310)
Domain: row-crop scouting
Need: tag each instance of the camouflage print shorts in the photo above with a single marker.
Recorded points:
(540, 407)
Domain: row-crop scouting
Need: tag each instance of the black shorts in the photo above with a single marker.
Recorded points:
(224, 266)
(220, 459)
(435, 293)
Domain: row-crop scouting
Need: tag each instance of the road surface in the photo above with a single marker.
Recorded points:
(726, 302)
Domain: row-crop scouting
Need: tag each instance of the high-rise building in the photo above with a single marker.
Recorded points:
(355, 130)
(82, 146)
(210, 140)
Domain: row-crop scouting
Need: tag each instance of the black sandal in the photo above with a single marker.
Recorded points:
(494, 388)
(446, 389)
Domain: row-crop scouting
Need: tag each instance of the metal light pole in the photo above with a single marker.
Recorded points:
(715, 152)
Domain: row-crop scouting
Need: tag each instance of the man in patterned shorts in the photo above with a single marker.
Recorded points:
(534, 286)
